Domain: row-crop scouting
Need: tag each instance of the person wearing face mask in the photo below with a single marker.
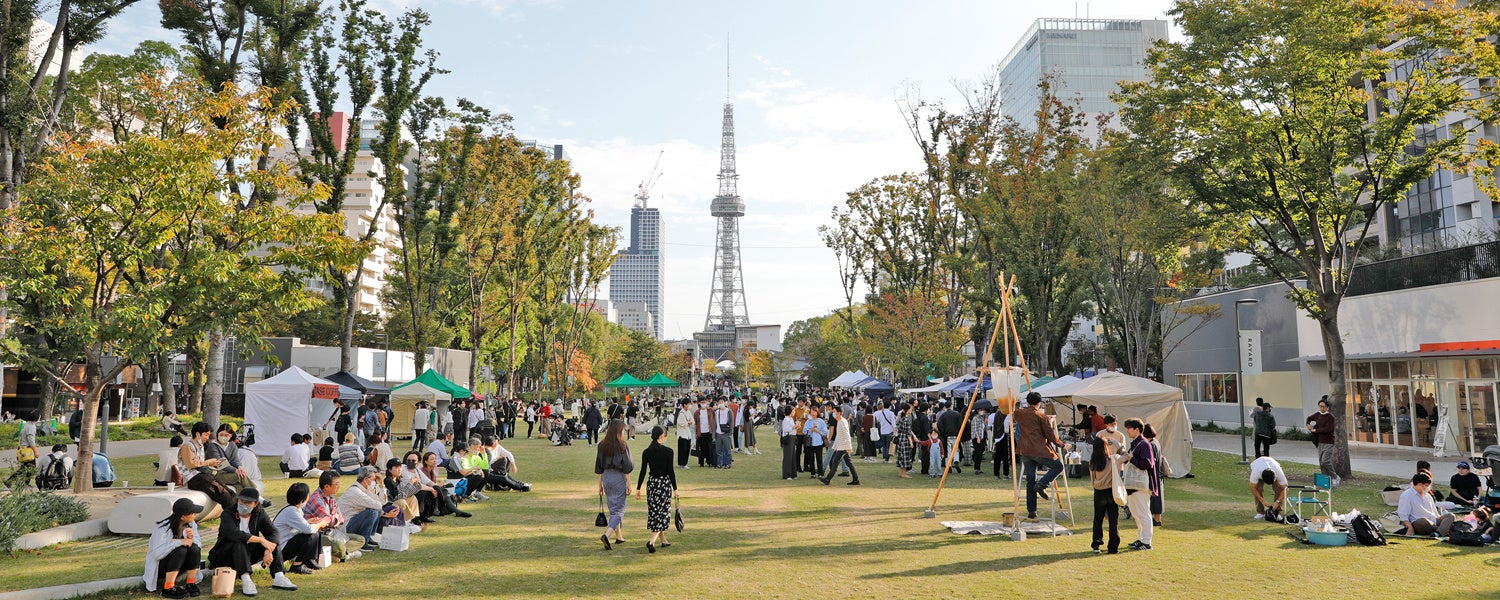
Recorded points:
(248, 537)
(362, 503)
(198, 471)
(223, 448)
(402, 492)
(1111, 432)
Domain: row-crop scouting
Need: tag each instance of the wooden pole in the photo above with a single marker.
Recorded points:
(978, 386)
(1013, 334)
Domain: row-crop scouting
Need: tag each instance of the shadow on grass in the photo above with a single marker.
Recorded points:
(984, 566)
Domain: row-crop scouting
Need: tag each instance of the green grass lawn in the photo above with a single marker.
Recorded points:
(750, 534)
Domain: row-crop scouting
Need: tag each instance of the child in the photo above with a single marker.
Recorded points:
(934, 445)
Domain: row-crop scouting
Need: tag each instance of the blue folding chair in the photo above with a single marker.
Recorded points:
(1316, 498)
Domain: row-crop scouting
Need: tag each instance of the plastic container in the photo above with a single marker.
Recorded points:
(1327, 538)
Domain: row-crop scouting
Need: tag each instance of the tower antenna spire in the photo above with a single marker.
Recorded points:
(726, 68)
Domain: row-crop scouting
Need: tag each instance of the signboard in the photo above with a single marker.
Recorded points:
(1250, 357)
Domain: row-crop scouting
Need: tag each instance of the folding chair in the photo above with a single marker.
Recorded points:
(1316, 498)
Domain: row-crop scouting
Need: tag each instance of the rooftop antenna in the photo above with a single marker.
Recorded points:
(726, 66)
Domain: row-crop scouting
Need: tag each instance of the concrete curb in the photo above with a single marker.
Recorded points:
(73, 590)
(65, 533)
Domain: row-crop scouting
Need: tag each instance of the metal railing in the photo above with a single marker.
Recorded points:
(1468, 263)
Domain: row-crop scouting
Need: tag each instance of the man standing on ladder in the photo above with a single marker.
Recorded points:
(1035, 440)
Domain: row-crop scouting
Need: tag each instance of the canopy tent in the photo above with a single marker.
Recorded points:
(874, 387)
(626, 381)
(659, 380)
(848, 378)
(1037, 383)
(1126, 396)
(291, 402)
(935, 387)
(356, 382)
(404, 401)
(436, 381)
(1049, 389)
(965, 386)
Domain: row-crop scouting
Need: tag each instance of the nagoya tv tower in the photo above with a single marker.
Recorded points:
(726, 300)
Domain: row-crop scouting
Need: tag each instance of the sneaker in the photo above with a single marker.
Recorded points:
(247, 586)
(1098, 550)
(192, 590)
(280, 582)
(1041, 492)
(300, 570)
(855, 482)
(353, 555)
(463, 515)
(481, 496)
(174, 592)
(1259, 516)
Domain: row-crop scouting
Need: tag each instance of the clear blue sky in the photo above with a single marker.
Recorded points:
(814, 84)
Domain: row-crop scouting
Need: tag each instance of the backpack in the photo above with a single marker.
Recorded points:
(1462, 533)
(1366, 532)
(55, 477)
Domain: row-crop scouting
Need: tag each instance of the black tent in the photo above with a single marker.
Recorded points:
(348, 379)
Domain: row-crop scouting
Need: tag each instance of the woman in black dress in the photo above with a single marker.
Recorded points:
(661, 487)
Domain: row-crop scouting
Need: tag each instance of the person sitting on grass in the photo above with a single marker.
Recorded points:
(503, 465)
(297, 458)
(1267, 471)
(439, 446)
(1463, 487)
(326, 454)
(380, 451)
(478, 462)
(175, 549)
(364, 504)
(349, 458)
(447, 503)
(247, 537)
(1418, 511)
(324, 506)
(459, 468)
(55, 469)
(401, 489)
(299, 534)
(1481, 520)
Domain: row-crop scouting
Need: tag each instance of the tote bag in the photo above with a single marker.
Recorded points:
(223, 584)
(1116, 486)
(1136, 478)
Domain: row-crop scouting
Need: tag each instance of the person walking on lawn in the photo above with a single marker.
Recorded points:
(841, 449)
(1322, 424)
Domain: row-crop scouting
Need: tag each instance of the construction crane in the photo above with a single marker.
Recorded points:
(643, 191)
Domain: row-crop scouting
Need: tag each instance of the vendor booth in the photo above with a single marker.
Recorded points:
(1126, 396)
(404, 401)
(292, 402)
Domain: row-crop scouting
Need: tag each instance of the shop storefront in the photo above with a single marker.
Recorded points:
(1425, 402)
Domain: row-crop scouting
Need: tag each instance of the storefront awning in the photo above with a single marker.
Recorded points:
(1402, 355)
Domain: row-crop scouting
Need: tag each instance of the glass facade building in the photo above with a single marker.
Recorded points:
(1087, 58)
(637, 273)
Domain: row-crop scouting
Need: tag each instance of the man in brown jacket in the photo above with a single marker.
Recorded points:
(1034, 441)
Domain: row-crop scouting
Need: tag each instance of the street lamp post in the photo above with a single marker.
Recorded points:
(1239, 378)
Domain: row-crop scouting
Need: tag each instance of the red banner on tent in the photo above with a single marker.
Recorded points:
(325, 391)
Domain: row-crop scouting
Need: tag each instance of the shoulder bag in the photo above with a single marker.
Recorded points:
(600, 520)
(1135, 478)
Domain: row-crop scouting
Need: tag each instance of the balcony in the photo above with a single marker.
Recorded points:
(1468, 263)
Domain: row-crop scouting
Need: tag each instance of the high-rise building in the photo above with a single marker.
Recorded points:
(635, 316)
(636, 275)
(1086, 59)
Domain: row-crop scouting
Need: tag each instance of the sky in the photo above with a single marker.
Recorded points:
(815, 87)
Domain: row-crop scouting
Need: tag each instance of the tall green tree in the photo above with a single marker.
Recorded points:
(101, 214)
(1290, 122)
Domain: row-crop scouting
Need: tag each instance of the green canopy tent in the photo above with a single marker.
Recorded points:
(659, 380)
(1038, 382)
(626, 381)
(436, 381)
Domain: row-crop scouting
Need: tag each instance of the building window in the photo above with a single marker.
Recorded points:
(1208, 387)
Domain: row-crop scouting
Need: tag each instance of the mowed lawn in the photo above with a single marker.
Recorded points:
(751, 535)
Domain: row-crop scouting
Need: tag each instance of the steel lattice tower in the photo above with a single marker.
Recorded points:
(726, 300)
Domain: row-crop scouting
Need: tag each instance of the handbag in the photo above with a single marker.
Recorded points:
(874, 434)
(1116, 486)
(600, 520)
(25, 454)
(1136, 478)
(223, 583)
(677, 514)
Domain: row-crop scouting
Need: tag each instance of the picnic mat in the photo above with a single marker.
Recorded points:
(1042, 527)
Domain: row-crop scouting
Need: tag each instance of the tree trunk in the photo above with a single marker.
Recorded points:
(346, 330)
(474, 331)
(213, 388)
(168, 390)
(1333, 348)
(83, 469)
(49, 400)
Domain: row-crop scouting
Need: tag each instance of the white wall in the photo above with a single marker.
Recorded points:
(1402, 321)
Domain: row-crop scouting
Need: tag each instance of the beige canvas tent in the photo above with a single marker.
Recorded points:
(1126, 396)
(404, 404)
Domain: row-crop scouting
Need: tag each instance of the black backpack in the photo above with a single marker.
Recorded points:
(55, 477)
(1463, 534)
(1366, 532)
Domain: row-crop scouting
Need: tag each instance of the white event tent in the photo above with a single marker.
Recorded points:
(1127, 396)
(291, 402)
(404, 401)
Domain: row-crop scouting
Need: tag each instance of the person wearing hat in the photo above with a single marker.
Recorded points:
(362, 504)
(248, 537)
(1035, 439)
(1464, 486)
(175, 549)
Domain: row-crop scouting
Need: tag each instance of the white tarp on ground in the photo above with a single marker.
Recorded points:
(283, 405)
(1126, 396)
(404, 404)
(848, 378)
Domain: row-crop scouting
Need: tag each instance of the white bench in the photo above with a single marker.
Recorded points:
(138, 515)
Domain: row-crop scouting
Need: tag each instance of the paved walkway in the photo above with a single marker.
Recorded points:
(117, 449)
(1390, 462)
